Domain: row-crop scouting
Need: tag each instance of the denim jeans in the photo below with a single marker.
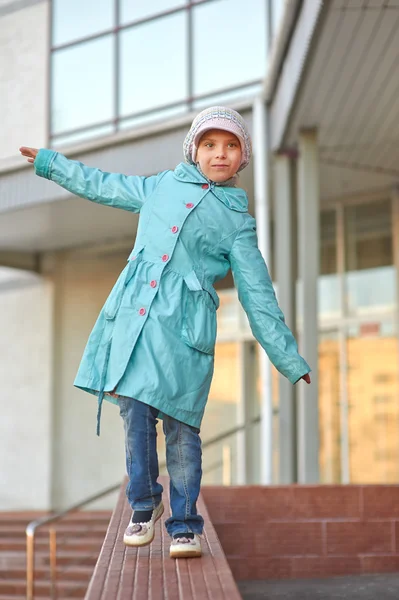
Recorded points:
(183, 460)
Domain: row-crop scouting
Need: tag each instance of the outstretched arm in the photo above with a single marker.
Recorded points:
(30, 153)
(112, 189)
(257, 296)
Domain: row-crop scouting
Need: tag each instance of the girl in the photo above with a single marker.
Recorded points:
(151, 350)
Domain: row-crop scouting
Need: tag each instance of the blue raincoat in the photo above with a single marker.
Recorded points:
(154, 338)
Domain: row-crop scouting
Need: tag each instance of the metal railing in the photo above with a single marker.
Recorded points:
(38, 523)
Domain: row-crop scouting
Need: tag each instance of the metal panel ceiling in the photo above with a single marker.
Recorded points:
(350, 93)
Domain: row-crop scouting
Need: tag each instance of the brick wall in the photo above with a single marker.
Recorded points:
(306, 531)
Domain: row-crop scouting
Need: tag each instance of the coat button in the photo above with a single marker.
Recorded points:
(205, 186)
(189, 205)
(142, 311)
(153, 283)
(175, 229)
(165, 257)
(134, 257)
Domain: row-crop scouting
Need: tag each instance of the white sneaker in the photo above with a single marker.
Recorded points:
(142, 534)
(183, 547)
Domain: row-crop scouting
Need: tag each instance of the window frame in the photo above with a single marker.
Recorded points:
(117, 120)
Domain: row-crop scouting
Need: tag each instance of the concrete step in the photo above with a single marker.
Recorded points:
(23, 597)
(30, 515)
(79, 540)
(22, 519)
(68, 572)
(14, 597)
(37, 597)
(78, 529)
(71, 589)
(84, 544)
(17, 560)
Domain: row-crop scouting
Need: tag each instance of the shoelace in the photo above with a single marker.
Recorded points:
(183, 540)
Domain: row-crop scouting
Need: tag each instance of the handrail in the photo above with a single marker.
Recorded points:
(37, 523)
(30, 540)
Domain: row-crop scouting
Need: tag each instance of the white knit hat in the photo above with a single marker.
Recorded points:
(217, 117)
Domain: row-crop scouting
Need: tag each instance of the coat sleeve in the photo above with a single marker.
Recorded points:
(112, 189)
(257, 296)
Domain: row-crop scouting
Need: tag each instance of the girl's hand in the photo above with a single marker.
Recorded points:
(30, 153)
(306, 378)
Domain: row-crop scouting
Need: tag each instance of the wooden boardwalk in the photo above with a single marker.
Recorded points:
(123, 573)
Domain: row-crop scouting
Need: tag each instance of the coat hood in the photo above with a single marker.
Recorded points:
(234, 198)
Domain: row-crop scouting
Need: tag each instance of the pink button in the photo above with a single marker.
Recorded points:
(142, 311)
(189, 205)
(175, 229)
(134, 257)
(153, 283)
(165, 257)
(205, 186)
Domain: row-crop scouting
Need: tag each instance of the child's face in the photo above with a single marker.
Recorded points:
(219, 155)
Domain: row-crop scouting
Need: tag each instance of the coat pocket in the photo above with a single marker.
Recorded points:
(199, 318)
(114, 300)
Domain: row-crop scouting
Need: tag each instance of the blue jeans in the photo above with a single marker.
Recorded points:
(183, 461)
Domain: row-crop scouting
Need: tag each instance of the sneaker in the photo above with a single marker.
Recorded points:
(185, 547)
(142, 534)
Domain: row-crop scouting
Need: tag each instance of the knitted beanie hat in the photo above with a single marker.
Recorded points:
(217, 117)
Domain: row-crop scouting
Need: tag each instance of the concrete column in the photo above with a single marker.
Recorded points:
(246, 411)
(309, 258)
(262, 209)
(284, 249)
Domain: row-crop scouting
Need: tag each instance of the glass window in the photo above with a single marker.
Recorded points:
(229, 44)
(372, 387)
(328, 242)
(227, 97)
(329, 288)
(145, 80)
(82, 85)
(133, 11)
(83, 136)
(221, 415)
(329, 408)
(370, 279)
(159, 115)
(277, 11)
(74, 19)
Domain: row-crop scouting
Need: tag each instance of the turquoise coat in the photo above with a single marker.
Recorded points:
(154, 338)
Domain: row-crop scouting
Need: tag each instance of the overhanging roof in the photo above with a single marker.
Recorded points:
(347, 89)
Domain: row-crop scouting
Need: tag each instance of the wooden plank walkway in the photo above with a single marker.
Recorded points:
(123, 573)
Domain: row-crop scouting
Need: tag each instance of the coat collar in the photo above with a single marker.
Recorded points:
(234, 198)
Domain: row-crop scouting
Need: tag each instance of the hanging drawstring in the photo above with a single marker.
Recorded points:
(102, 385)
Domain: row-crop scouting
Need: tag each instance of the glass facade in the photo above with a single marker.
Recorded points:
(369, 274)
(373, 408)
(129, 63)
(90, 100)
(358, 358)
(358, 346)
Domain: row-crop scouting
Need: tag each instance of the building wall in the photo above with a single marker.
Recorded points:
(23, 75)
(83, 463)
(26, 380)
(26, 300)
(50, 456)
